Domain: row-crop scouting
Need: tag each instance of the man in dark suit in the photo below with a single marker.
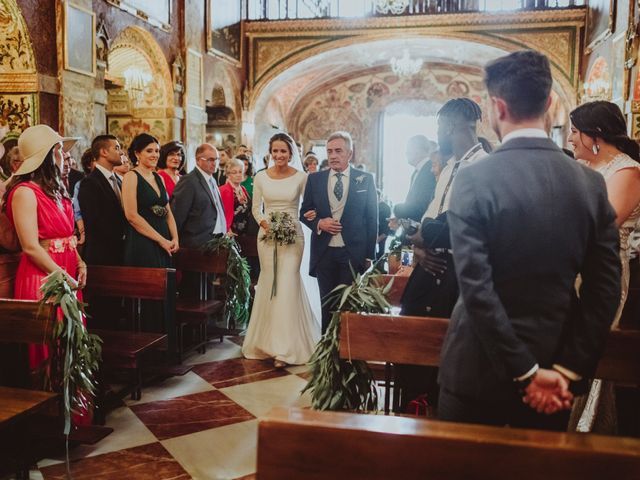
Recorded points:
(345, 228)
(423, 182)
(100, 202)
(196, 203)
(524, 222)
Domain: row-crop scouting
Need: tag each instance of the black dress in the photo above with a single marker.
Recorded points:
(139, 250)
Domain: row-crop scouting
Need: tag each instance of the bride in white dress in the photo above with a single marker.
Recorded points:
(283, 327)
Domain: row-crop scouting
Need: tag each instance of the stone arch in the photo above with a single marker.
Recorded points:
(224, 108)
(152, 110)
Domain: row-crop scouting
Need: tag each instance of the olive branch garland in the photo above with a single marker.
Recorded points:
(238, 284)
(77, 354)
(338, 384)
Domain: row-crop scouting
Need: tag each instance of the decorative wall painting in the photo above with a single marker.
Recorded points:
(601, 21)
(223, 29)
(79, 40)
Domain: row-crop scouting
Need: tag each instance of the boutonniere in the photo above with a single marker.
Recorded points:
(359, 179)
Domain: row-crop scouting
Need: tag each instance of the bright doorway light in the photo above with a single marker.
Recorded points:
(398, 129)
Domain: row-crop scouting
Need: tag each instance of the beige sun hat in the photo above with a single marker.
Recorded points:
(34, 144)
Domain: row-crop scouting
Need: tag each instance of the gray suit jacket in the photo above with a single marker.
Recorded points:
(194, 210)
(524, 222)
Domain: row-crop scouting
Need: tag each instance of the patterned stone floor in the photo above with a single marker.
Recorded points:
(202, 425)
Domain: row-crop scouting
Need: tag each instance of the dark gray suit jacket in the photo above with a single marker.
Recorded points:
(419, 196)
(359, 219)
(524, 222)
(194, 210)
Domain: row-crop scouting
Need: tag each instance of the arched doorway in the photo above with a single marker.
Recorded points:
(222, 124)
(140, 91)
(18, 75)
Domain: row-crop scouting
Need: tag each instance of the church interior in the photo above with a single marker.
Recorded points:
(232, 73)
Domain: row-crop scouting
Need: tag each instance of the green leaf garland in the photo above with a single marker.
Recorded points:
(76, 353)
(238, 284)
(338, 384)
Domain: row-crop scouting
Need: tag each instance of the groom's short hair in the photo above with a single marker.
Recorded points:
(523, 80)
(346, 136)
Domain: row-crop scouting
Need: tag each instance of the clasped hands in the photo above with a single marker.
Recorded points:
(548, 392)
(425, 257)
(328, 224)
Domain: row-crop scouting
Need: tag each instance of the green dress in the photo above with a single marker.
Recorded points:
(141, 251)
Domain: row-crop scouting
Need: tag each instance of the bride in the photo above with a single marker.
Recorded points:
(283, 327)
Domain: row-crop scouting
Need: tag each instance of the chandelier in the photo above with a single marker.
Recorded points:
(135, 82)
(405, 66)
(395, 7)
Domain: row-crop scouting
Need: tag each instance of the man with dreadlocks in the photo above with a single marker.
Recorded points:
(432, 289)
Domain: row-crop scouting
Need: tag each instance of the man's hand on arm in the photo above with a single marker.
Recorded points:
(329, 225)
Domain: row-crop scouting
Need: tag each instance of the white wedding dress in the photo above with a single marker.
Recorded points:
(283, 327)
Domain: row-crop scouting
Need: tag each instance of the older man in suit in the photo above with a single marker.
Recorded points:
(524, 222)
(196, 203)
(99, 197)
(346, 223)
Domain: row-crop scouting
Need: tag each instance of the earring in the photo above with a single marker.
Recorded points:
(595, 149)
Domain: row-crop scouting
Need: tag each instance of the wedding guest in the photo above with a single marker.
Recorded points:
(100, 200)
(152, 236)
(486, 144)
(225, 154)
(599, 140)
(124, 167)
(524, 223)
(310, 163)
(247, 181)
(39, 207)
(423, 182)
(324, 165)
(11, 162)
(197, 203)
(235, 198)
(170, 164)
(87, 161)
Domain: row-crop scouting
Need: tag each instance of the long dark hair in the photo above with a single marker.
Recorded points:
(47, 176)
(168, 148)
(604, 120)
(138, 144)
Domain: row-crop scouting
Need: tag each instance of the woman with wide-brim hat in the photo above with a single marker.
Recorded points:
(39, 207)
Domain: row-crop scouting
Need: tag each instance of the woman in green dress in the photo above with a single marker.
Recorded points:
(152, 236)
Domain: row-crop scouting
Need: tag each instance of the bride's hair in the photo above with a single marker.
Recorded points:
(283, 137)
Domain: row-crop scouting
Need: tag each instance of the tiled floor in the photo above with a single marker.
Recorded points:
(202, 425)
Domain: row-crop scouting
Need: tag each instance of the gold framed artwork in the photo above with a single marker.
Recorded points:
(79, 40)
(601, 22)
(224, 30)
(619, 73)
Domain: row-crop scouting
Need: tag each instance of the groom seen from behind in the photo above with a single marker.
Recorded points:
(524, 222)
(346, 223)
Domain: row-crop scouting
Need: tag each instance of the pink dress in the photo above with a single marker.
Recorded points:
(56, 224)
(169, 184)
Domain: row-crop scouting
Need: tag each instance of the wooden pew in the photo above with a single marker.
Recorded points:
(418, 340)
(196, 312)
(306, 444)
(397, 287)
(126, 349)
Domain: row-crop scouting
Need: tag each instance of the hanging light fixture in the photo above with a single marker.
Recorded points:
(396, 7)
(135, 82)
(405, 66)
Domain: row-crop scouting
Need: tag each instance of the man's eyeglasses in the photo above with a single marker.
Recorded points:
(214, 159)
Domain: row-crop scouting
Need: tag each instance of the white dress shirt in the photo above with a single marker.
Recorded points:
(525, 133)
(221, 224)
(442, 193)
(337, 206)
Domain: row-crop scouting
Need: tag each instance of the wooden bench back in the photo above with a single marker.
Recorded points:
(8, 268)
(418, 340)
(130, 282)
(296, 443)
(25, 321)
(195, 260)
(397, 287)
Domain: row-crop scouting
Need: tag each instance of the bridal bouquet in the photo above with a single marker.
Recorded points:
(282, 231)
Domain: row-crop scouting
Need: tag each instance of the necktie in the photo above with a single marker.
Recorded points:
(115, 186)
(221, 224)
(338, 189)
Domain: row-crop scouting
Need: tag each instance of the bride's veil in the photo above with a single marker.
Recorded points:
(296, 160)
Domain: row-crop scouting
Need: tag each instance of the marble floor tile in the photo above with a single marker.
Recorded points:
(237, 371)
(190, 414)
(171, 388)
(238, 339)
(128, 431)
(222, 453)
(259, 397)
(147, 462)
(216, 351)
